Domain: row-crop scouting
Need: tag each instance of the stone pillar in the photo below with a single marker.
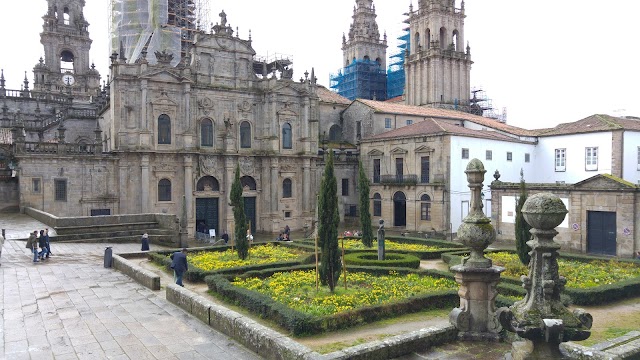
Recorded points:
(476, 317)
(306, 185)
(188, 187)
(144, 184)
(274, 185)
(229, 172)
(540, 317)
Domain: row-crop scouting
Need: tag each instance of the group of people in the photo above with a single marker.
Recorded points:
(352, 233)
(41, 242)
(284, 235)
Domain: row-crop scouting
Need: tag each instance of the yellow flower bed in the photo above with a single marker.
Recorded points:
(262, 254)
(297, 290)
(356, 244)
(579, 274)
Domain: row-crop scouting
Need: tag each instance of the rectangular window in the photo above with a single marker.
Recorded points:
(561, 159)
(425, 211)
(60, 189)
(591, 159)
(387, 123)
(358, 130)
(465, 153)
(527, 158)
(424, 169)
(509, 156)
(377, 207)
(638, 157)
(399, 169)
(409, 122)
(489, 155)
(345, 187)
(287, 214)
(376, 171)
(35, 185)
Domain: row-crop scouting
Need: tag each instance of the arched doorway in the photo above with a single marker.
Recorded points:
(249, 188)
(399, 209)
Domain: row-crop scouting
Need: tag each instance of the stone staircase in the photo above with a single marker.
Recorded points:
(116, 233)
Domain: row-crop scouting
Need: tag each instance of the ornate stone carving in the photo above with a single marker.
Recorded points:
(209, 165)
(288, 168)
(244, 106)
(206, 105)
(246, 165)
(163, 167)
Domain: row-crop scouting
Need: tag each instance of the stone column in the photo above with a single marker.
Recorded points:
(188, 187)
(540, 317)
(144, 184)
(274, 185)
(476, 317)
(306, 185)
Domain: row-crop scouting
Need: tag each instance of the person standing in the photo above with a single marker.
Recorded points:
(225, 237)
(145, 242)
(42, 243)
(46, 238)
(179, 265)
(32, 243)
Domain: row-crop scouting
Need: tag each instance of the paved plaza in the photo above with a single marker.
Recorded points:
(71, 307)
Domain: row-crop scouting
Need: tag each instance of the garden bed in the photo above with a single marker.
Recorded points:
(223, 260)
(425, 249)
(590, 280)
(288, 296)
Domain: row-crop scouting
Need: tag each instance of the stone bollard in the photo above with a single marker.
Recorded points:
(381, 254)
(476, 317)
(540, 317)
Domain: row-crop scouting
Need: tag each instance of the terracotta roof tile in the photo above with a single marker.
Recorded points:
(397, 99)
(593, 123)
(432, 126)
(395, 108)
(329, 96)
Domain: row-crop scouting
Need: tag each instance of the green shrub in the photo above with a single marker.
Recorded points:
(391, 260)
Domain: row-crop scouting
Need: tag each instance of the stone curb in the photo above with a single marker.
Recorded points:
(142, 276)
(624, 347)
(273, 345)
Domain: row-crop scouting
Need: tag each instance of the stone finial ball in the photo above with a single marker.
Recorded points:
(544, 211)
(475, 171)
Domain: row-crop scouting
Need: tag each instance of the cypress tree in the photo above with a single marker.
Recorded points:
(365, 214)
(330, 265)
(522, 228)
(237, 202)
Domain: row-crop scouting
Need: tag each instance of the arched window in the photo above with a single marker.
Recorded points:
(454, 40)
(287, 188)
(379, 61)
(443, 38)
(287, 138)
(335, 133)
(164, 129)
(366, 58)
(425, 207)
(66, 61)
(377, 205)
(245, 135)
(206, 133)
(417, 42)
(164, 190)
(428, 39)
(208, 183)
(66, 16)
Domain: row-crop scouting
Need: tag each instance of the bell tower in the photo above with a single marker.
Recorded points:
(66, 41)
(438, 66)
(364, 55)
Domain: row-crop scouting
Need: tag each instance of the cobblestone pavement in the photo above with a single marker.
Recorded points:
(19, 226)
(71, 307)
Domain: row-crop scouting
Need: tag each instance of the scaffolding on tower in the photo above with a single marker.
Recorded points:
(395, 73)
(481, 105)
(150, 26)
(362, 79)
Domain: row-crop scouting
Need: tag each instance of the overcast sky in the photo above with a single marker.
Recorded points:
(547, 61)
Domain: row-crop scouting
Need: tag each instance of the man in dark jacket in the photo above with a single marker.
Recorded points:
(179, 265)
(32, 244)
(42, 243)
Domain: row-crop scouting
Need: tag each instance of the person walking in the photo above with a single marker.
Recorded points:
(32, 243)
(145, 242)
(42, 243)
(46, 238)
(179, 265)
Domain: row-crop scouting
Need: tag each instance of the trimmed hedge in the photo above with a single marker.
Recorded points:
(599, 295)
(391, 260)
(300, 324)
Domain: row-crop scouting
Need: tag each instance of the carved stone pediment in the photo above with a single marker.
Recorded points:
(424, 149)
(605, 182)
(397, 151)
(164, 100)
(375, 152)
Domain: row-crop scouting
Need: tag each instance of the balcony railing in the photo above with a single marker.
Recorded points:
(399, 179)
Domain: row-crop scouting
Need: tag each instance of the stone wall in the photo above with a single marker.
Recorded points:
(9, 195)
